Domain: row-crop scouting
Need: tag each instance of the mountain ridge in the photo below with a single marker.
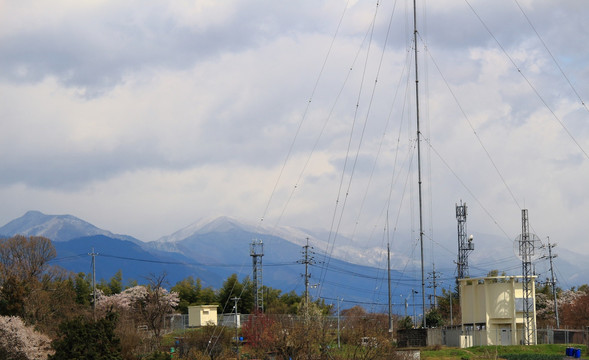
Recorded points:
(55, 227)
(212, 253)
(213, 248)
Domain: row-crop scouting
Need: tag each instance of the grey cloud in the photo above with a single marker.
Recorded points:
(97, 51)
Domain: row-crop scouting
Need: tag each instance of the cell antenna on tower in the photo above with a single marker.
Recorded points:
(465, 246)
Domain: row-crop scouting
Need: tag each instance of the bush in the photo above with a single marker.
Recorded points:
(158, 355)
(81, 338)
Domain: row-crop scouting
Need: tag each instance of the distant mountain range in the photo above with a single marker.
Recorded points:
(212, 250)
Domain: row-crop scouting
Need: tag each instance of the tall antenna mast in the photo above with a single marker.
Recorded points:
(419, 160)
(464, 246)
(389, 287)
(256, 252)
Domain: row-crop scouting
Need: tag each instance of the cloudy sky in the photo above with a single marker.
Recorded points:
(143, 117)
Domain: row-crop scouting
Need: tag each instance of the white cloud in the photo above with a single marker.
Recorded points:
(142, 118)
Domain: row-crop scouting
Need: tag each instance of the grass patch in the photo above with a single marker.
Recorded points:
(514, 352)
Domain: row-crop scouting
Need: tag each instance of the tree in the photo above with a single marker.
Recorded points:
(258, 331)
(12, 297)
(208, 296)
(22, 263)
(116, 283)
(232, 288)
(83, 288)
(25, 258)
(52, 301)
(406, 323)
(434, 318)
(21, 342)
(210, 341)
(157, 303)
(574, 312)
(188, 291)
(146, 305)
(81, 338)
(444, 307)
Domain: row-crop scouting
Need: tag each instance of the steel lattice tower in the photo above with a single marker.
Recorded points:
(526, 251)
(465, 246)
(256, 252)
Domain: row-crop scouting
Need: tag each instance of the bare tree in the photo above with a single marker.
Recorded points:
(25, 258)
(23, 261)
(158, 303)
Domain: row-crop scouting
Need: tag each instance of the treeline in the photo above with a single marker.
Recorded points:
(191, 292)
(42, 303)
(47, 310)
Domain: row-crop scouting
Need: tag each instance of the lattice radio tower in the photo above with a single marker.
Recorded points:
(256, 252)
(465, 246)
(527, 244)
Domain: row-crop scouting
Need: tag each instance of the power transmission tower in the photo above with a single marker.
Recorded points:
(464, 246)
(553, 280)
(256, 252)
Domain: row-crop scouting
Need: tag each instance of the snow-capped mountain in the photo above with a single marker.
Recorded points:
(323, 242)
(55, 227)
(220, 246)
(211, 251)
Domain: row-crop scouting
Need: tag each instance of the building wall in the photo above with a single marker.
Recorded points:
(494, 304)
(202, 315)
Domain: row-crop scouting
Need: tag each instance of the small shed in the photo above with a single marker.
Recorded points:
(201, 315)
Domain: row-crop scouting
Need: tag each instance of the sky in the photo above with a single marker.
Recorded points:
(144, 117)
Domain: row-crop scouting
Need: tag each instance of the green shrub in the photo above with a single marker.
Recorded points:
(531, 357)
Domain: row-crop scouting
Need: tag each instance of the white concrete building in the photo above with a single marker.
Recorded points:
(493, 310)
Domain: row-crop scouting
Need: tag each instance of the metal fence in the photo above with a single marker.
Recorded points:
(456, 337)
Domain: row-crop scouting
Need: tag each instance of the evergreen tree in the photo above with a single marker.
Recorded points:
(116, 283)
(81, 338)
(83, 288)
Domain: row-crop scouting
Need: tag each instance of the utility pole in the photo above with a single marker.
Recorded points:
(236, 299)
(307, 260)
(338, 324)
(553, 280)
(434, 276)
(413, 292)
(451, 301)
(93, 254)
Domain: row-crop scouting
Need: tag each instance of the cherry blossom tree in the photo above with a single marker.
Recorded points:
(147, 305)
(18, 341)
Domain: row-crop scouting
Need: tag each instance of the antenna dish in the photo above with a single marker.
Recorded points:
(534, 243)
(471, 238)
